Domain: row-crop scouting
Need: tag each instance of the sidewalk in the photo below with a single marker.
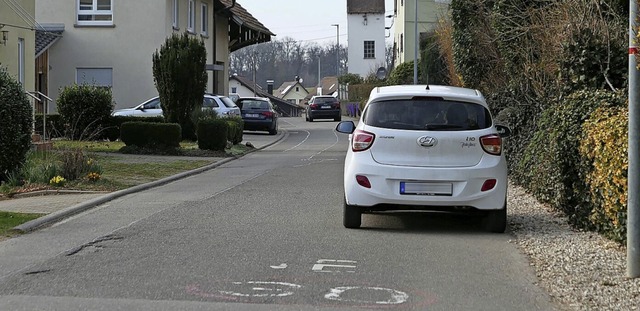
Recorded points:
(58, 205)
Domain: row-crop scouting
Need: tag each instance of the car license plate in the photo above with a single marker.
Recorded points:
(251, 115)
(426, 188)
(325, 107)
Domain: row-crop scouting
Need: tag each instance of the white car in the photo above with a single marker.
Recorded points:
(223, 105)
(420, 147)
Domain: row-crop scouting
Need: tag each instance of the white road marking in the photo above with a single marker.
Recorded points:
(281, 266)
(396, 296)
(322, 263)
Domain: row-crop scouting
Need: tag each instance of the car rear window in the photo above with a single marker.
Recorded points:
(228, 102)
(324, 100)
(433, 114)
(253, 104)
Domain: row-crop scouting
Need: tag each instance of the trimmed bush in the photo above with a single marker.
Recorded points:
(15, 125)
(213, 134)
(150, 134)
(605, 147)
(181, 79)
(112, 127)
(552, 167)
(84, 110)
(236, 128)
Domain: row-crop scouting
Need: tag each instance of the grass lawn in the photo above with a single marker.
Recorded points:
(10, 220)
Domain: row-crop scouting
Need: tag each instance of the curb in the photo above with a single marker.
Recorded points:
(84, 206)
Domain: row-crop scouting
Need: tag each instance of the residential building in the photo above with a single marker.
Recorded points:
(110, 43)
(292, 91)
(17, 41)
(366, 27)
(247, 88)
(429, 13)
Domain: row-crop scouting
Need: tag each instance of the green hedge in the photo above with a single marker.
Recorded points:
(112, 126)
(213, 134)
(149, 134)
(552, 167)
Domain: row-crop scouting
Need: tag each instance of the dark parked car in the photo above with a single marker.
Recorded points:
(258, 114)
(323, 107)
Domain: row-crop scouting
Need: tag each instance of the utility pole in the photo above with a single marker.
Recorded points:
(416, 42)
(633, 200)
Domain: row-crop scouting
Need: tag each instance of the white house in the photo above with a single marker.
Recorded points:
(17, 41)
(366, 27)
(110, 43)
(429, 12)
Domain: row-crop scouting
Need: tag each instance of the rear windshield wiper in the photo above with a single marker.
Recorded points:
(442, 126)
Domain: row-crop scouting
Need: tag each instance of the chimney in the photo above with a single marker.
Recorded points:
(270, 87)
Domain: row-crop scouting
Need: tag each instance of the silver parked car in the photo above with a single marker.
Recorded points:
(223, 105)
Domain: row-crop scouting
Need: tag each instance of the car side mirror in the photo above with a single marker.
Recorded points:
(346, 127)
(503, 131)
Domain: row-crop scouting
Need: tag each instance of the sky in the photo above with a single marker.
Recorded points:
(305, 20)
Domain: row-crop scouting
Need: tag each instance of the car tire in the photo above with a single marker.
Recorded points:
(352, 217)
(496, 221)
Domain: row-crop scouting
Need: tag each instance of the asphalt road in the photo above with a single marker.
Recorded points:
(264, 232)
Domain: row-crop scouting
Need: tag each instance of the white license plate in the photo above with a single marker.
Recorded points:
(252, 115)
(325, 107)
(426, 188)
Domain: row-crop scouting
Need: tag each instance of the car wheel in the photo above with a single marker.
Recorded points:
(496, 221)
(352, 216)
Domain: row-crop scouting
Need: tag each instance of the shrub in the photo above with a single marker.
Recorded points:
(180, 77)
(552, 167)
(15, 125)
(605, 146)
(84, 110)
(149, 134)
(112, 127)
(212, 134)
(236, 128)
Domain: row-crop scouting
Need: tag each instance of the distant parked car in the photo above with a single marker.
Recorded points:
(223, 105)
(420, 147)
(323, 107)
(258, 114)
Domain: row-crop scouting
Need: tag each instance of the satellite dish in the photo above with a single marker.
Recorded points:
(381, 74)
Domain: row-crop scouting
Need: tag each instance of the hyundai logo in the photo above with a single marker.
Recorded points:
(427, 141)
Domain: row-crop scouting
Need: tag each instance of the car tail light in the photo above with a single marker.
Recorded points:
(267, 114)
(362, 140)
(492, 144)
(488, 185)
(363, 181)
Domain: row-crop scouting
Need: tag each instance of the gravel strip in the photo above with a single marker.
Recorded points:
(580, 270)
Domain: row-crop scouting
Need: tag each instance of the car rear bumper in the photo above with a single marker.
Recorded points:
(258, 125)
(465, 185)
(324, 114)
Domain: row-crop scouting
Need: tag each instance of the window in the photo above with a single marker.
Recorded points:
(205, 19)
(95, 12)
(102, 77)
(21, 60)
(369, 49)
(191, 22)
(176, 5)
